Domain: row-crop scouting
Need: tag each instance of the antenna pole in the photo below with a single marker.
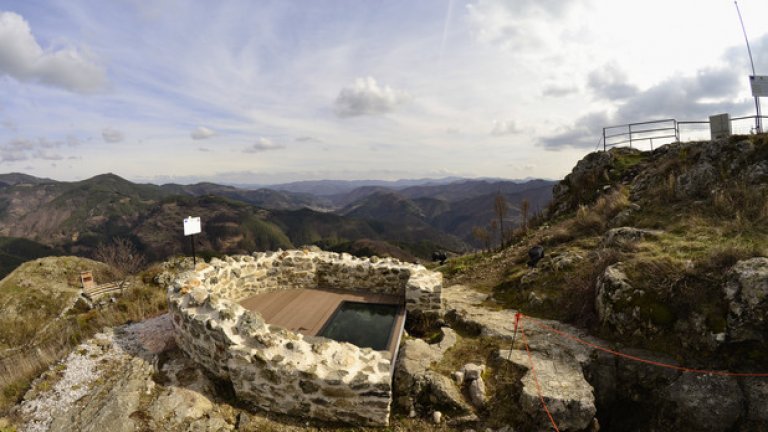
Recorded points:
(758, 121)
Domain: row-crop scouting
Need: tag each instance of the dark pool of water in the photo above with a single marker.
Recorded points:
(362, 324)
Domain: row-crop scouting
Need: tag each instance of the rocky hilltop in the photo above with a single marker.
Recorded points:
(647, 313)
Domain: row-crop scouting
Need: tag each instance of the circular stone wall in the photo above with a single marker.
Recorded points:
(279, 370)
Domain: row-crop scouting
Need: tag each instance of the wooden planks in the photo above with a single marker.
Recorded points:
(305, 311)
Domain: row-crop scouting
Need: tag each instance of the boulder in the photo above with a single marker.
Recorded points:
(625, 215)
(746, 291)
(569, 397)
(697, 402)
(591, 171)
(757, 173)
(437, 417)
(697, 181)
(415, 382)
(441, 392)
(756, 395)
(477, 392)
(472, 371)
(562, 261)
(625, 235)
(613, 287)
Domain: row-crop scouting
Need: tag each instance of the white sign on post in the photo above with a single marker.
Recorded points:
(191, 226)
(759, 84)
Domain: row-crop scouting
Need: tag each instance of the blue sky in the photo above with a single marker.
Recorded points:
(267, 92)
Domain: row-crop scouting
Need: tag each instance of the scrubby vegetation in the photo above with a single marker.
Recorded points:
(42, 319)
(706, 201)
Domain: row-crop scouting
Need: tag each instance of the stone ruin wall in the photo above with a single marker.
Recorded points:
(237, 278)
(278, 370)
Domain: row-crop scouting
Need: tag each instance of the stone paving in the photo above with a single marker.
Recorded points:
(558, 361)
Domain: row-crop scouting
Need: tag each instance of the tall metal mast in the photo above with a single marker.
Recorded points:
(758, 121)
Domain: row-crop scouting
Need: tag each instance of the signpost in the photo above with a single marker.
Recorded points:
(192, 227)
(759, 85)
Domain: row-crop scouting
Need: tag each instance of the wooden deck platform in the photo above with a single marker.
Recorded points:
(306, 311)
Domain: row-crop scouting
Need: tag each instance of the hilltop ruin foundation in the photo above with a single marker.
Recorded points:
(295, 371)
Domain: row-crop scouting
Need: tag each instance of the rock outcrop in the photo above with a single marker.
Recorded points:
(127, 379)
(746, 292)
(613, 289)
(580, 384)
(417, 387)
(568, 395)
(558, 362)
(589, 172)
(625, 235)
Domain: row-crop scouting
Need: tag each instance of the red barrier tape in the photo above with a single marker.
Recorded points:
(533, 371)
(639, 359)
(519, 322)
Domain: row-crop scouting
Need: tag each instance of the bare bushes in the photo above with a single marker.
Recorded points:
(120, 254)
(723, 257)
(742, 203)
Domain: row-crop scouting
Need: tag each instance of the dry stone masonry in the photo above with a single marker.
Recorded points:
(278, 370)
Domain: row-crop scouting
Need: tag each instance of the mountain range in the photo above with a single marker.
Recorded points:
(408, 219)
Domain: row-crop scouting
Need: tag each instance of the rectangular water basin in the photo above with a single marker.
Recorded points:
(367, 325)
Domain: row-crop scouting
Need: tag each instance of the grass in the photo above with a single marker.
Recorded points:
(681, 271)
(48, 345)
(461, 264)
(502, 382)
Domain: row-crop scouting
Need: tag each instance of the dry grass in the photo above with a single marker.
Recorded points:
(590, 220)
(19, 368)
(502, 382)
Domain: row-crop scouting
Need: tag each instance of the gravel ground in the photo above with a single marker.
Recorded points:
(74, 375)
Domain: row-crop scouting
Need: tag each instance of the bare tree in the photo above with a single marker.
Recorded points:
(525, 207)
(482, 235)
(493, 226)
(500, 208)
(120, 254)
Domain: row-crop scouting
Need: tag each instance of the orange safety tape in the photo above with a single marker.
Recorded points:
(536, 378)
(639, 359)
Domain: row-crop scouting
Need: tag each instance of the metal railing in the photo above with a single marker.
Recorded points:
(644, 131)
(669, 130)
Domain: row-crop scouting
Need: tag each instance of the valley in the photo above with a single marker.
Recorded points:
(410, 222)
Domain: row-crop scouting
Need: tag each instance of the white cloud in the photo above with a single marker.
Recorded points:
(556, 90)
(366, 97)
(45, 155)
(610, 82)
(310, 139)
(263, 144)
(25, 149)
(507, 127)
(519, 24)
(22, 58)
(12, 156)
(112, 135)
(202, 132)
(10, 125)
(680, 97)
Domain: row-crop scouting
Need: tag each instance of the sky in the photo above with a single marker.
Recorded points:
(264, 92)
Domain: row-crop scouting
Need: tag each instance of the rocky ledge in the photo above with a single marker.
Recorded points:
(587, 389)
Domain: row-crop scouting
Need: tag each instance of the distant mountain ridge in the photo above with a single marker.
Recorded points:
(336, 187)
(12, 179)
(76, 217)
